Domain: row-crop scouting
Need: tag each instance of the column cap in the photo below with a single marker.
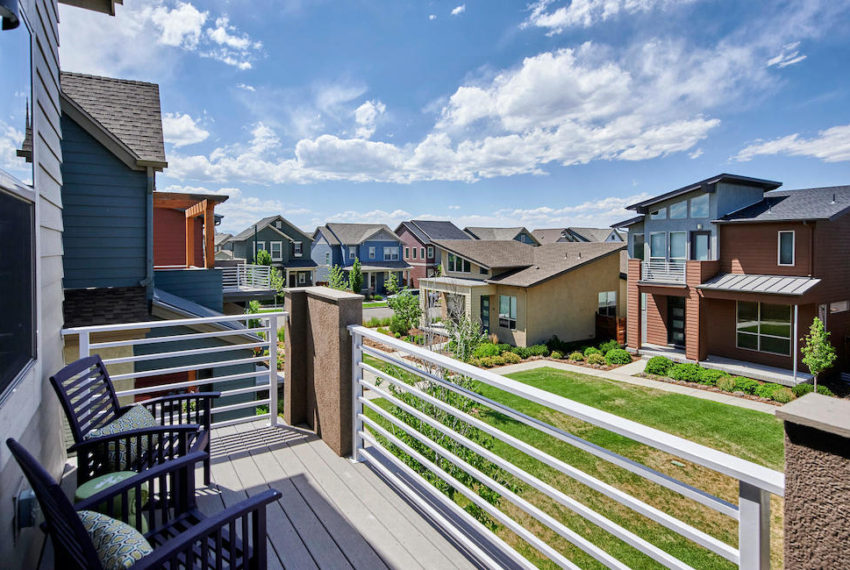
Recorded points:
(825, 413)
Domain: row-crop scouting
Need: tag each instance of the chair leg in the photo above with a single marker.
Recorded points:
(207, 474)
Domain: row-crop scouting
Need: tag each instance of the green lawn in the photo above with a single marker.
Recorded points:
(373, 304)
(752, 435)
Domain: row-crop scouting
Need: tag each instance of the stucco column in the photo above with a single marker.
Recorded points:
(633, 324)
(817, 482)
(318, 387)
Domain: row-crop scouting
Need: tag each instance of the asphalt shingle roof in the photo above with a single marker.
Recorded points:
(105, 306)
(493, 233)
(221, 238)
(352, 234)
(551, 260)
(129, 110)
(430, 230)
(248, 232)
(593, 234)
(787, 205)
(490, 253)
(548, 235)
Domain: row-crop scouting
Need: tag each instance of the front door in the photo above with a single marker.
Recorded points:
(373, 282)
(485, 313)
(676, 321)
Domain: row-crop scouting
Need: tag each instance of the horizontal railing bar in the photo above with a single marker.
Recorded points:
(639, 469)
(444, 524)
(204, 366)
(677, 526)
(240, 406)
(236, 421)
(247, 390)
(182, 353)
(724, 463)
(170, 323)
(190, 383)
(582, 510)
(484, 505)
(177, 338)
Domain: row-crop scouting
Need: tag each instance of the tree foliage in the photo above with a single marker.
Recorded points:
(278, 283)
(405, 306)
(818, 353)
(264, 257)
(392, 284)
(336, 279)
(466, 335)
(355, 276)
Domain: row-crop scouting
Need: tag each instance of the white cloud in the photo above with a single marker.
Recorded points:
(696, 153)
(788, 56)
(366, 115)
(10, 141)
(246, 87)
(586, 13)
(182, 130)
(392, 219)
(830, 145)
(180, 26)
(454, 207)
(432, 17)
(458, 10)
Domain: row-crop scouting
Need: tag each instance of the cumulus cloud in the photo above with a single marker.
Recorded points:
(586, 13)
(182, 130)
(246, 87)
(180, 26)
(432, 17)
(830, 145)
(366, 116)
(788, 56)
(10, 141)
(458, 10)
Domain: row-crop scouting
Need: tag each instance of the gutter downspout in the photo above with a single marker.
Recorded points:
(254, 255)
(796, 334)
(151, 187)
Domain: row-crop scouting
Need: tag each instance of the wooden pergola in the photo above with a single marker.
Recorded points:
(194, 206)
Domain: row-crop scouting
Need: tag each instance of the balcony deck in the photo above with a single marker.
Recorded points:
(333, 513)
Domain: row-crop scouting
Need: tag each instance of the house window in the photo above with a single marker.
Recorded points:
(430, 252)
(699, 206)
(607, 304)
(352, 251)
(658, 245)
(407, 253)
(679, 210)
(839, 307)
(638, 247)
(678, 246)
(327, 258)
(258, 247)
(302, 277)
(458, 264)
(507, 312)
(391, 253)
(764, 327)
(17, 266)
(482, 271)
(786, 248)
(297, 249)
(371, 252)
(660, 214)
(278, 224)
(414, 253)
(276, 250)
(422, 252)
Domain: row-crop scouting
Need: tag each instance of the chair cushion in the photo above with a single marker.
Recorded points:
(136, 417)
(98, 484)
(118, 545)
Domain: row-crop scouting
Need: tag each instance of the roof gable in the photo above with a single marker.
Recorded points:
(825, 203)
(355, 234)
(707, 185)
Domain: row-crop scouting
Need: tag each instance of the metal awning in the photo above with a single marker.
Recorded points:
(764, 284)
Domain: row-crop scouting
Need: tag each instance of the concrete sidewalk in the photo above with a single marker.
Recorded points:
(625, 374)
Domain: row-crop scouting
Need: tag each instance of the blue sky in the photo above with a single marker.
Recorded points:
(540, 114)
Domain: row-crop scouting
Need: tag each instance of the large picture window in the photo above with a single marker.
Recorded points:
(679, 210)
(459, 264)
(678, 246)
(658, 245)
(391, 253)
(764, 327)
(699, 206)
(507, 312)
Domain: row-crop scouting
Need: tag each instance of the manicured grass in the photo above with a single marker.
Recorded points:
(373, 304)
(749, 434)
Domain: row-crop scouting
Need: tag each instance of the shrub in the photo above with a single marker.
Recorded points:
(475, 362)
(591, 350)
(556, 354)
(782, 395)
(608, 346)
(520, 351)
(596, 358)
(658, 365)
(538, 350)
(487, 362)
(576, 356)
(376, 322)
(711, 377)
(556, 344)
(802, 389)
(399, 326)
(726, 383)
(745, 385)
(377, 298)
(685, 372)
(486, 349)
(397, 335)
(767, 390)
(618, 356)
(824, 391)
(503, 348)
(511, 358)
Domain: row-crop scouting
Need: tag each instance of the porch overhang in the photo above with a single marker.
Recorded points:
(779, 285)
(669, 289)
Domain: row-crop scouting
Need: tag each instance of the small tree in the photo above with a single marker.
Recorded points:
(466, 335)
(438, 272)
(818, 353)
(392, 284)
(355, 276)
(336, 279)
(264, 257)
(406, 310)
(253, 308)
(278, 283)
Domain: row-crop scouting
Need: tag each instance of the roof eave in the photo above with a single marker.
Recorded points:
(707, 185)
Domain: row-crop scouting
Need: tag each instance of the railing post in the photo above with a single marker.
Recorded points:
(272, 339)
(753, 527)
(356, 394)
(84, 344)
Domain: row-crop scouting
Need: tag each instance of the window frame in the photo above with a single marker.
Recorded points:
(707, 207)
(258, 247)
(407, 252)
(793, 248)
(414, 252)
(760, 334)
(430, 252)
(302, 277)
(508, 320)
(666, 246)
(839, 307)
(642, 246)
(659, 214)
(682, 203)
(610, 304)
(327, 258)
(422, 253)
(279, 245)
(393, 253)
(670, 246)
(352, 252)
(297, 248)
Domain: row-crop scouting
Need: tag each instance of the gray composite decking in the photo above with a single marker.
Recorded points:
(333, 513)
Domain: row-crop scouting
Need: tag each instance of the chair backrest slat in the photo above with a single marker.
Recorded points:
(87, 395)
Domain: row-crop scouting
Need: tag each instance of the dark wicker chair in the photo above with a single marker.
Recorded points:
(181, 536)
(88, 398)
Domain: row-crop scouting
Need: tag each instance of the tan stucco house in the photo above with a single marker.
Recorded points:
(526, 294)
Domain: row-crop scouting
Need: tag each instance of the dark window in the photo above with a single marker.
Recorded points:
(638, 247)
(607, 303)
(507, 312)
(764, 327)
(786, 248)
(17, 302)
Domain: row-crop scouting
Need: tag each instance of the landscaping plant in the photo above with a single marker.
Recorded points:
(746, 385)
(767, 390)
(782, 395)
(726, 383)
(596, 358)
(801, 390)
(466, 336)
(818, 353)
(710, 376)
(618, 356)
(264, 258)
(658, 365)
(336, 279)
(355, 277)
(406, 309)
(608, 345)
(685, 372)
(591, 350)
(555, 354)
(576, 356)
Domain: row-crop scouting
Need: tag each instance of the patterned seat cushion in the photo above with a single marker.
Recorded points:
(134, 418)
(118, 545)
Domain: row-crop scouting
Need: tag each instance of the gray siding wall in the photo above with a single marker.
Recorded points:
(245, 248)
(319, 251)
(104, 214)
(31, 414)
(202, 286)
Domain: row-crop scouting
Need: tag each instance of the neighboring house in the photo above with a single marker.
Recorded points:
(526, 294)
(520, 234)
(184, 229)
(289, 247)
(728, 267)
(220, 240)
(418, 237)
(375, 245)
(553, 235)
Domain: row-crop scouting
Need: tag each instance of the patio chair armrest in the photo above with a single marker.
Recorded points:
(184, 543)
(164, 431)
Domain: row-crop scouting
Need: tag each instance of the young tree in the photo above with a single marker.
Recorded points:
(392, 284)
(355, 276)
(264, 257)
(278, 283)
(466, 335)
(253, 308)
(406, 311)
(818, 353)
(336, 279)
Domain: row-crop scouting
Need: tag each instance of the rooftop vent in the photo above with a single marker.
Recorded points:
(833, 198)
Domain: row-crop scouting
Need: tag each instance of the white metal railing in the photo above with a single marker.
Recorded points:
(663, 271)
(162, 352)
(755, 483)
(246, 276)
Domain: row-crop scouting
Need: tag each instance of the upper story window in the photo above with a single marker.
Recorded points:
(658, 245)
(391, 253)
(660, 214)
(278, 224)
(430, 252)
(276, 250)
(371, 252)
(699, 206)
(459, 264)
(258, 247)
(786, 248)
(297, 249)
(327, 258)
(352, 251)
(678, 246)
(422, 252)
(638, 246)
(407, 253)
(414, 253)
(679, 210)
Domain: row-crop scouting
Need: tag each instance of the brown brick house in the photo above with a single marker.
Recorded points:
(729, 267)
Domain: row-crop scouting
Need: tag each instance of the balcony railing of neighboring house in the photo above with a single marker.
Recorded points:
(246, 276)
(372, 438)
(663, 271)
(166, 356)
